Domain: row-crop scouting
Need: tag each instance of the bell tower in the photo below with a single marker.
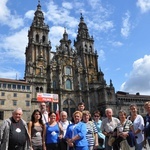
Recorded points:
(38, 53)
(84, 45)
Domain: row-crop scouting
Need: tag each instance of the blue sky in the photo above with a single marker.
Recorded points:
(121, 30)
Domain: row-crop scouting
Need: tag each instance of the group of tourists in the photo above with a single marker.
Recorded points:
(85, 131)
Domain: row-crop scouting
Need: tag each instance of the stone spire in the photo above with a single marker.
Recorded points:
(65, 45)
(82, 30)
(38, 16)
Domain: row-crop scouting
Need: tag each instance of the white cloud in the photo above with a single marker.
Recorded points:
(116, 43)
(9, 73)
(60, 16)
(100, 21)
(15, 22)
(67, 5)
(4, 11)
(78, 5)
(93, 3)
(106, 25)
(56, 36)
(139, 78)
(126, 75)
(98, 9)
(29, 14)
(7, 18)
(118, 69)
(103, 26)
(101, 54)
(13, 46)
(144, 5)
(125, 30)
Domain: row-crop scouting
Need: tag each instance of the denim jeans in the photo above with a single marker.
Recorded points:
(107, 147)
(148, 141)
(139, 146)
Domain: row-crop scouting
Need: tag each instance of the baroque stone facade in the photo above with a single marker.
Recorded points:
(70, 72)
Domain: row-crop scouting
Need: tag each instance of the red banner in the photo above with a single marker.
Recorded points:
(47, 97)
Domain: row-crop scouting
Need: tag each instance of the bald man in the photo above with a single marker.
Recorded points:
(14, 133)
(44, 112)
(108, 126)
(64, 122)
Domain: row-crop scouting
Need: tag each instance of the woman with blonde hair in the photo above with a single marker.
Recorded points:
(76, 133)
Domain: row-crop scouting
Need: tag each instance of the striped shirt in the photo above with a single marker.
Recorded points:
(91, 130)
(125, 127)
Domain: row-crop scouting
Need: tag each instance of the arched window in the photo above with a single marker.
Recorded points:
(69, 106)
(37, 38)
(41, 89)
(54, 85)
(68, 84)
(37, 89)
(68, 70)
(43, 39)
(85, 48)
(90, 48)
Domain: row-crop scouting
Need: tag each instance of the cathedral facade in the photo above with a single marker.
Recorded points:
(70, 72)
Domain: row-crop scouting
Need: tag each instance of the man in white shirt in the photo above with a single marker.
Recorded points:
(108, 126)
(44, 112)
(64, 122)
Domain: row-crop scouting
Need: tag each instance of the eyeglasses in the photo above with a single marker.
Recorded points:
(96, 116)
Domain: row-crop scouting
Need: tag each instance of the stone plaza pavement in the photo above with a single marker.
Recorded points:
(147, 147)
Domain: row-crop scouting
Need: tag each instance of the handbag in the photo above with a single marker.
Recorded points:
(129, 142)
(111, 140)
(100, 141)
(124, 145)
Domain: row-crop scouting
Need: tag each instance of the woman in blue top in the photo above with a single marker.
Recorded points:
(54, 132)
(76, 133)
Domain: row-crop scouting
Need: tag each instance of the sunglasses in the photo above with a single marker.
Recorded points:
(96, 116)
